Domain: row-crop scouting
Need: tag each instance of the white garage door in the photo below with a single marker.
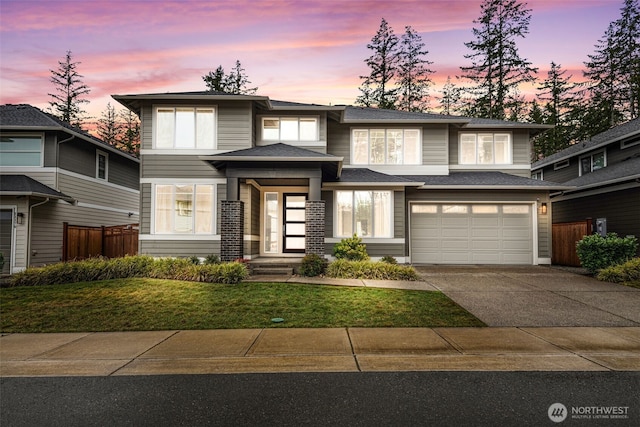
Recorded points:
(471, 234)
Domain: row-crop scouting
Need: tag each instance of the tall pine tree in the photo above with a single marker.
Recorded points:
(109, 129)
(69, 92)
(497, 69)
(450, 100)
(413, 73)
(235, 82)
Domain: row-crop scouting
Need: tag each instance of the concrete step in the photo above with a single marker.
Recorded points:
(272, 271)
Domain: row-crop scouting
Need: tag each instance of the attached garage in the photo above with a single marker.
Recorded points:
(471, 233)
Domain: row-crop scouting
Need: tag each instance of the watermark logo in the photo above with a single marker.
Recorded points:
(557, 412)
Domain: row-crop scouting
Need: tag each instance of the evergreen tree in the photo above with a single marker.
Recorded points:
(69, 89)
(235, 82)
(450, 99)
(413, 73)
(130, 136)
(496, 67)
(109, 128)
(377, 88)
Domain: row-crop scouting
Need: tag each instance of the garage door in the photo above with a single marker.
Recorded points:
(471, 234)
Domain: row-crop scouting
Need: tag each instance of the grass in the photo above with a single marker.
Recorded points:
(155, 304)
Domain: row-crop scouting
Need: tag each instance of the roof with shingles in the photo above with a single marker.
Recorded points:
(626, 170)
(278, 150)
(614, 134)
(22, 185)
(364, 175)
(485, 179)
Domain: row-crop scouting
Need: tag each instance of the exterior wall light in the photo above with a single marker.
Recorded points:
(20, 218)
(543, 208)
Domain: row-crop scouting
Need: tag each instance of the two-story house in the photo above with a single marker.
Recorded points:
(52, 173)
(245, 176)
(604, 173)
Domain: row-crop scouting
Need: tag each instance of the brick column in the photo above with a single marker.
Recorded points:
(314, 218)
(231, 230)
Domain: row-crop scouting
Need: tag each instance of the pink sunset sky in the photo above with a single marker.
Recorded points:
(295, 50)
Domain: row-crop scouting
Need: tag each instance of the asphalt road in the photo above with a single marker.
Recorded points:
(345, 399)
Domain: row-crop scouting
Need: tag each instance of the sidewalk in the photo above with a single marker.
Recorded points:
(320, 350)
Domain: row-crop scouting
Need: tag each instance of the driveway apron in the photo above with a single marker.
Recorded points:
(535, 296)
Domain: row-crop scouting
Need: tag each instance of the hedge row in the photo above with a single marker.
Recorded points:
(344, 269)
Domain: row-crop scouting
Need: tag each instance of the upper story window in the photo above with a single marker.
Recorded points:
(290, 129)
(592, 162)
(102, 165)
(184, 209)
(561, 165)
(20, 150)
(485, 149)
(386, 147)
(185, 127)
(537, 175)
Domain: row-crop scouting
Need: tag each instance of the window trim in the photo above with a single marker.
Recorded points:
(155, 108)
(352, 191)
(385, 129)
(626, 143)
(538, 172)
(298, 118)
(193, 233)
(509, 160)
(34, 135)
(104, 154)
(594, 153)
(561, 164)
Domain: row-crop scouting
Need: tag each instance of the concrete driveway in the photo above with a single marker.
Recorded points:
(535, 296)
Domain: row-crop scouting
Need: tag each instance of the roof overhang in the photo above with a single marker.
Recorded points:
(37, 194)
(135, 102)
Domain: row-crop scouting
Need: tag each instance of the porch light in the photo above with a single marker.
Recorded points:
(543, 208)
(20, 218)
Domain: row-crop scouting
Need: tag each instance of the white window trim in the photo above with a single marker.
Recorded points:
(374, 238)
(174, 106)
(541, 172)
(604, 155)
(627, 144)
(185, 236)
(106, 165)
(289, 141)
(561, 164)
(481, 165)
(38, 135)
(385, 129)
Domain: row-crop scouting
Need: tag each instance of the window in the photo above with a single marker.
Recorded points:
(184, 209)
(386, 147)
(20, 151)
(561, 165)
(537, 175)
(365, 213)
(102, 165)
(290, 129)
(485, 148)
(592, 162)
(185, 128)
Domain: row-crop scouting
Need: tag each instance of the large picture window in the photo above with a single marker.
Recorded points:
(184, 209)
(365, 213)
(485, 148)
(185, 128)
(290, 129)
(20, 151)
(386, 147)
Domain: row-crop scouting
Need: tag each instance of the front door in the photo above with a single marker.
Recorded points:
(294, 223)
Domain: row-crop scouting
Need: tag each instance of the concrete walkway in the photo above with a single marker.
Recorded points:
(540, 318)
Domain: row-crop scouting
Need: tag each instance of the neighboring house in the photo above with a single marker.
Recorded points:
(244, 176)
(605, 175)
(51, 173)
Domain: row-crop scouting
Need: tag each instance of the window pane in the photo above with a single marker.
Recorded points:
(271, 223)
(501, 148)
(485, 149)
(164, 204)
(394, 147)
(295, 242)
(165, 128)
(185, 128)
(515, 209)
(295, 229)
(295, 201)
(412, 147)
(270, 129)
(382, 213)
(426, 209)
(376, 144)
(455, 209)
(586, 164)
(484, 209)
(295, 214)
(344, 213)
(102, 166)
(308, 129)
(183, 215)
(289, 129)
(20, 143)
(363, 213)
(598, 161)
(19, 159)
(204, 209)
(467, 149)
(360, 147)
(204, 126)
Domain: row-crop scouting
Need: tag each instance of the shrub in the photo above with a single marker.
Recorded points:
(389, 259)
(621, 273)
(313, 265)
(194, 260)
(351, 249)
(212, 259)
(344, 269)
(597, 252)
(1, 261)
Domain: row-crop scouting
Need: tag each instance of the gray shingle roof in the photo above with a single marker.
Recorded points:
(365, 114)
(617, 133)
(278, 150)
(22, 185)
(628, 169)
(485, 179)
(363, 175)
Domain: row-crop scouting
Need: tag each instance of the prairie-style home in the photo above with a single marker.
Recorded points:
(52, 173)
(244, 176)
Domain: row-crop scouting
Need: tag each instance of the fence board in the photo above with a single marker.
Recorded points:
(564, 238)
(80, 242)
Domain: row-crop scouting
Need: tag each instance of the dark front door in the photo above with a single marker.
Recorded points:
(294, 224)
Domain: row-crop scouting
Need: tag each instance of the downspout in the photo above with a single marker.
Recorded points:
(58, 157)
(29, 229)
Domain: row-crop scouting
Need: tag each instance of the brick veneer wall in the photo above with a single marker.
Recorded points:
(232, 230)
(315, 223)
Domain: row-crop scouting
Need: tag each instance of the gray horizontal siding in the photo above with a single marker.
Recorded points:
(50, 147)
(78, 157)
(146, 129)
(398, 214)
(179, 248)
(124, 172)
(177, 166)
(145, 208)
(96, 193)
(234, 126)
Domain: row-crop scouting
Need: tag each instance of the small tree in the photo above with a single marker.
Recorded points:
(108, 128)
(235, 82)
(450, 99)
(70, 89)
(413, 73)
(130, 136)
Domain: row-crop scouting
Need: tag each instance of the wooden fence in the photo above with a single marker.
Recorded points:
(565, 236)
(80, 242)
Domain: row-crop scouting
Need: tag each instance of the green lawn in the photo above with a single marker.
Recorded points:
(154, 304)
